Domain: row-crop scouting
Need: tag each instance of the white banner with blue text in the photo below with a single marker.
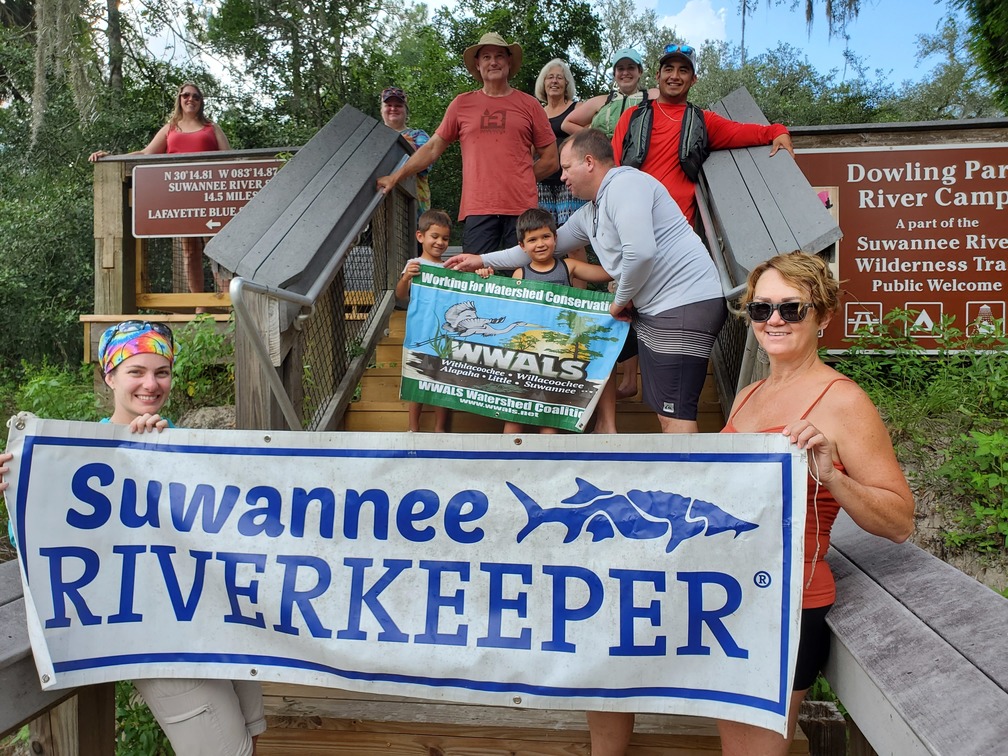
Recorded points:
(657, 573)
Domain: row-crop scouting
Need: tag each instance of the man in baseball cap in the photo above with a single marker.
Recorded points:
(499, 129)
(395, 113)
(676, 75)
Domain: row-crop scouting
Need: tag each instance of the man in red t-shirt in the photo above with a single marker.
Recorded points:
(676, 74)
(498, 128)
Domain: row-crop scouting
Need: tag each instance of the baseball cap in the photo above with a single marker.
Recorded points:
(393, 93)
(678, 51)
(627, 52)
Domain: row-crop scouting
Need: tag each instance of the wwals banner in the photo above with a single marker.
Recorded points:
(524, 351)
(639, 573)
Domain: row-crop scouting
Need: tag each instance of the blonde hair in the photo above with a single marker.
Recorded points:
(176, 115)
(802, 271)
(570, 93)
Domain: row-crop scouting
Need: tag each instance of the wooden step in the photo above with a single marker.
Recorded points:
(305, 721)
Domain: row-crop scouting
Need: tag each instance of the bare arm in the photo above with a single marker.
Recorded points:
(587, 272)
(222, 140)
(872, 488)
(158, 145)
(420, 160)
(4, 459)
(581, 117)
(548, 162)
(402, 287)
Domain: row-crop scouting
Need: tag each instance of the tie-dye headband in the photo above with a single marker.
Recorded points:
(119, 342)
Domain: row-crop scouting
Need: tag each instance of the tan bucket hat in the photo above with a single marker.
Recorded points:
(491, 38)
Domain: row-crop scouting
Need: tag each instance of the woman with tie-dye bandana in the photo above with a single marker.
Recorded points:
(136, 360)
(200, 717)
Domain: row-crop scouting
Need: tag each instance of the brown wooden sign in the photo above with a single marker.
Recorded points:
(194, 199)
(925, 230)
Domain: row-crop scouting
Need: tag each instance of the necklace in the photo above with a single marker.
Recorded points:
(662, 111)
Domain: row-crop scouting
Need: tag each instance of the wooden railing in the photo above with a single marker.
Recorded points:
(75, 722)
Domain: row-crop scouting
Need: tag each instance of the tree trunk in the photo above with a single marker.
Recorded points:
(115, 50)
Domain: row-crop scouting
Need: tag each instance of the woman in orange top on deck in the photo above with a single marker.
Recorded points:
(789, 300)
(187, 130)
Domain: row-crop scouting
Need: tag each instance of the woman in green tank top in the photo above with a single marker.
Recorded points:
(603, 111)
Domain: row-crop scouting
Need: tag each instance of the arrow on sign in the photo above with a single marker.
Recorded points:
(213, 224)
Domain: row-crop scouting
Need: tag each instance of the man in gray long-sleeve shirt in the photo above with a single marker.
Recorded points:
(666, 282)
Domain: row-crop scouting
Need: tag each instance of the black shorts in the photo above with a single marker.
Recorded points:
(675, 347)
(813, 647)
(488, 233)
(629, 346)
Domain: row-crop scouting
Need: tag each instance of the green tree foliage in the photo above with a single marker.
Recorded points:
(789, 90)
(955, 89)
(63, 50)
(988, 32)
(409, 52)
(563, 29)
(45, 221)
(296, 51)
(623, 25)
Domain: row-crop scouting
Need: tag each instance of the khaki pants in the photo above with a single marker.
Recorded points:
(206, 717)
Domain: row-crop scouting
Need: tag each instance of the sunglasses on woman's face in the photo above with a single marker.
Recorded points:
(191, 95)
(790, 312)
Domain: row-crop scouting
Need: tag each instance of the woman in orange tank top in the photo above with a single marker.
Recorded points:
(789, 300)
(188, 130)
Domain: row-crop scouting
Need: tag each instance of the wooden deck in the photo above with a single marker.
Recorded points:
(307, 721)
(380, 408)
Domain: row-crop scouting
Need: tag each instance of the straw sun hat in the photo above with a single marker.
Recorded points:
(491, 38)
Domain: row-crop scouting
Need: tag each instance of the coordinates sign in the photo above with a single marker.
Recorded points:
(636, 573)
(924, 230)
(194, 199)
(524, 351)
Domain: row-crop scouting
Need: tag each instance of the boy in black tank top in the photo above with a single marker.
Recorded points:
(536, 231)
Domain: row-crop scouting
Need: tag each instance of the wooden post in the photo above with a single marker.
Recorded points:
(80, 726)
(115, 261)
(255, 405)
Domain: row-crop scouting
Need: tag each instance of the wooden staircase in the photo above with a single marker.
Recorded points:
(379, 407)
(306, 721)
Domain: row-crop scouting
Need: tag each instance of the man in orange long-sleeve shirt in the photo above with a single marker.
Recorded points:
(676, 74)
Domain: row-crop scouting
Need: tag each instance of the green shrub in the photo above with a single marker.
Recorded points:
(945, 408)
(978, 471)
(203, 374)
(137, 732)
(59, 393)
(964, 376)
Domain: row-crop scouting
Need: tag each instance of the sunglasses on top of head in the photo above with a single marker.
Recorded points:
(790, 312)
(684, 49)
(132, 326)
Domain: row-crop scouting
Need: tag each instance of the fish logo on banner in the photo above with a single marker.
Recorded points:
(638, 514)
